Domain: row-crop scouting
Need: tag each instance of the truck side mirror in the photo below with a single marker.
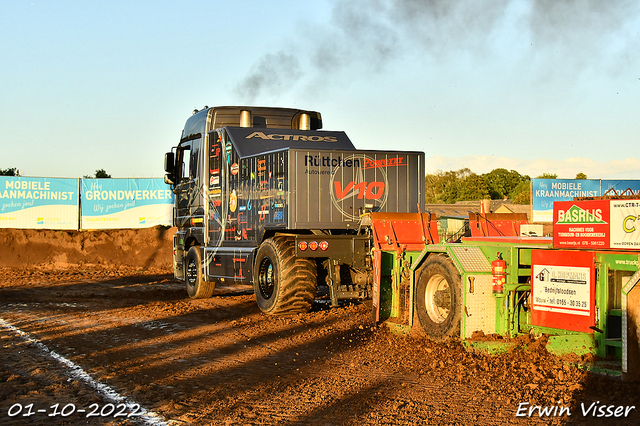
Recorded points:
(169, 163)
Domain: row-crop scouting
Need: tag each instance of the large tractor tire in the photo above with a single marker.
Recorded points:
(197, 286)
(438, 300)
(282, 282)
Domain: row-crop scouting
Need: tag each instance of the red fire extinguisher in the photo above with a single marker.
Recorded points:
(499, 272)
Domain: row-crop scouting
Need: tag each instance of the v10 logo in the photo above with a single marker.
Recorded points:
(352, 188)
(368, 190)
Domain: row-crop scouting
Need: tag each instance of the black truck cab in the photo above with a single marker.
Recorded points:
(250, 180)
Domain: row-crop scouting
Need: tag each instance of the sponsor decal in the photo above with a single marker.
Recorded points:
(215, 150)
(263, 212)
(235, 169)
(328, 161)
(352, 187)
(385, 162)
(233, 201)
(285, 137)
(237, 264)
(228, 148)
(370, 191)
(241, 233)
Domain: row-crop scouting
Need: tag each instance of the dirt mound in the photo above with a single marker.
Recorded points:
(138, 248)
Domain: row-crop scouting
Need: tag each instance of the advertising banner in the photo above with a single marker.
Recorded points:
(544, 192)
(625, 224)
(38, 203)
(601, 224)
(563, 289)
(620, 186)
(125, 203)
(581, 224)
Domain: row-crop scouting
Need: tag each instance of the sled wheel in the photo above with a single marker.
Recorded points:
(197, 287)
(282, 282)
(438, 298)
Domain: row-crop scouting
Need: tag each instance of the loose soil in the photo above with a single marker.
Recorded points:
(107, 301)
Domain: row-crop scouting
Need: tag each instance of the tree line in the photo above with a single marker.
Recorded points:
(448, 187)
(464, 185)
(100, 173)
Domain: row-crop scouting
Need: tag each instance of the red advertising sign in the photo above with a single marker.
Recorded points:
(563, 289)
(597, 224)
(581, 224)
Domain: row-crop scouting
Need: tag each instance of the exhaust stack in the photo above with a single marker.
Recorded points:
(305, 121)
(245, 118)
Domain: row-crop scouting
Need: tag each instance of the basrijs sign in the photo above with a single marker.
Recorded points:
(577, 215)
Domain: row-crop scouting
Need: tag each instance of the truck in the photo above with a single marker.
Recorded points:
(264, 197)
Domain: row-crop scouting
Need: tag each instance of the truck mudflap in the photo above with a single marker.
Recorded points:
(178, 257)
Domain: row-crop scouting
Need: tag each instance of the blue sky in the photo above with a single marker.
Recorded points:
(534, 86)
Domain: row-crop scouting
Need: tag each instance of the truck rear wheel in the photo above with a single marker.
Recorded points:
(197, 287)
(282, 282)
(438, 298)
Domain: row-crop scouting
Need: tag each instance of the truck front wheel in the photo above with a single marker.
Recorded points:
(282, 282)
(438, 298)
(197, 287)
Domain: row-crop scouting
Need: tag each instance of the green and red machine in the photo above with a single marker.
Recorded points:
(579, 287)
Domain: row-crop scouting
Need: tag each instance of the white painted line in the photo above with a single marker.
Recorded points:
(76, 372)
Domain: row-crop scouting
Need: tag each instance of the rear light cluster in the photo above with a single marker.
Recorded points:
(313, 245)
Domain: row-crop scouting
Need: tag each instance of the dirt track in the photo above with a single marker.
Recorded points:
(107, 302)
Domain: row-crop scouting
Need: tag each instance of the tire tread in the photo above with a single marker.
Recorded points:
(297, 285)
